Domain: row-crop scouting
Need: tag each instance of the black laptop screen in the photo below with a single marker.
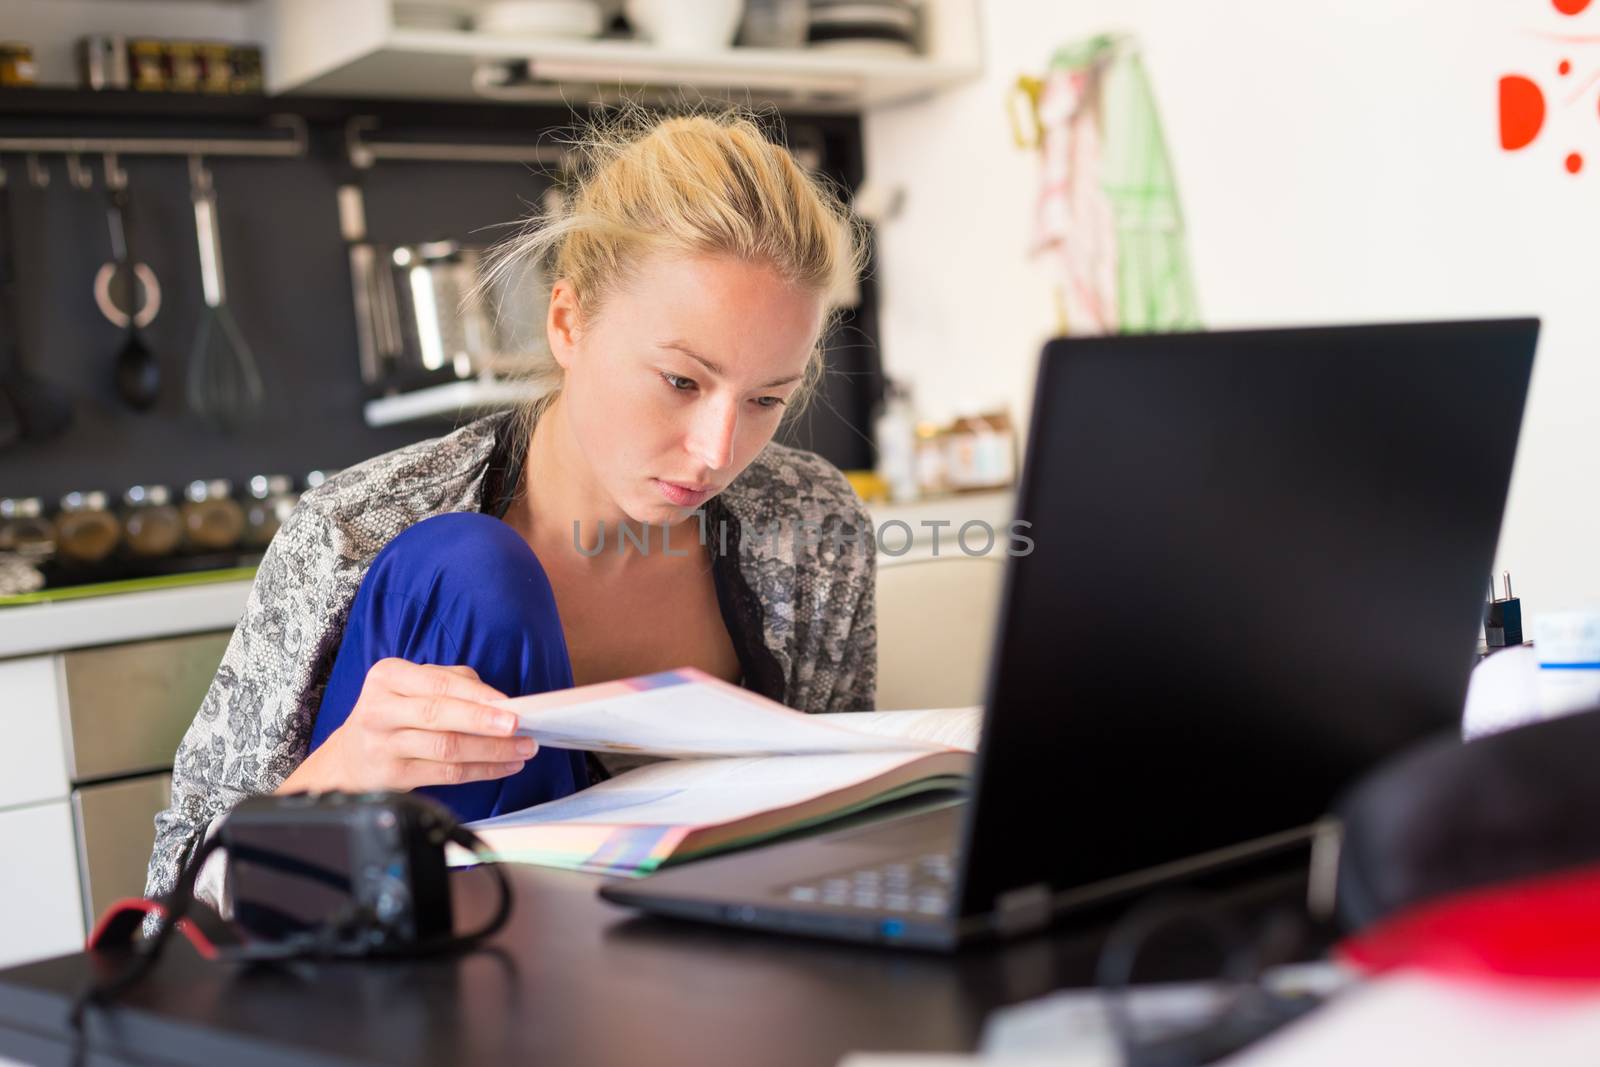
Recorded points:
(1258, 567)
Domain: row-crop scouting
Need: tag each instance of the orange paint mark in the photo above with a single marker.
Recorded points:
(1570, 7)
(1521, 112)
(1564, 69)
(1574, 163)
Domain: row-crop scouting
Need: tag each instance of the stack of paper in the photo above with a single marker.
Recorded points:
(743, 769)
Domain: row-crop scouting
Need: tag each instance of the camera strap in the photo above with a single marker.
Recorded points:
(181, 913)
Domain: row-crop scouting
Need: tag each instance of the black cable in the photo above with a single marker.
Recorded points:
(460, 835)
(174, 906)
(1120, 954)
(1248, 1012)
(338, 938)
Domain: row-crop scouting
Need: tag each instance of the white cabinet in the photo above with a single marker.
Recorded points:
(354, 48)
(39, 893)
(86, 738)
(33, 763)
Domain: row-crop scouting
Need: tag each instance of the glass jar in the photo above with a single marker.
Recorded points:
(272, 497)
(151, 525)
(212, 520)
(24, 530)
(86, 531)
(16, 64)
(314, 479)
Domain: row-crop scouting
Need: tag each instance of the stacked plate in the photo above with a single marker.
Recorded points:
(540, 18)
(864, 27)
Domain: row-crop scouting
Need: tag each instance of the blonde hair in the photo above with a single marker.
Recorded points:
(707, 183)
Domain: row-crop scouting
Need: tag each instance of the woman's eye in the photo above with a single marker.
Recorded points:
(681, 384)
(770, 401)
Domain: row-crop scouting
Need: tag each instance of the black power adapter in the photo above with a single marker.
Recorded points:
(1502, 618)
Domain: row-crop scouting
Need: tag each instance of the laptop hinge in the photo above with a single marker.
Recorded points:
(1020, 910)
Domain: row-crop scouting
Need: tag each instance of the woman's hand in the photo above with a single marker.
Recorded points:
(415, 725)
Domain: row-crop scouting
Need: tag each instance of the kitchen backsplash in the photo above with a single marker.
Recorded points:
(288, 285)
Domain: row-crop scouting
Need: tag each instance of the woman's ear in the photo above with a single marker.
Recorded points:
(562, 323)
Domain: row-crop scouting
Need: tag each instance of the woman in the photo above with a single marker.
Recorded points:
(694, 265)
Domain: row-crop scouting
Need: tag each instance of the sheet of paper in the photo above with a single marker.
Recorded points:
(953, 727)
(687, 713)
(704, 792)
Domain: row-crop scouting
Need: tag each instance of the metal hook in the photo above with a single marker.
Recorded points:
(38, 175)
(199, 175)
(78, 174)
(116, 177)
(361, 156)
(296, 125)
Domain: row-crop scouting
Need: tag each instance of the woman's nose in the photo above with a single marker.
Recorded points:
(711, 435)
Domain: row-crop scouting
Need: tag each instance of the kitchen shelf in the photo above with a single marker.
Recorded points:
(452, 399)
(355, 49)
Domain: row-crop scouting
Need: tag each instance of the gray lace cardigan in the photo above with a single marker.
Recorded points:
(795, 583)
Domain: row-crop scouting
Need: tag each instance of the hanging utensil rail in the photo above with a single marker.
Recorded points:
(290, 147)
(364, 153)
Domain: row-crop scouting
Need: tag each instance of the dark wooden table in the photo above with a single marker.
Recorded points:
(573, 980)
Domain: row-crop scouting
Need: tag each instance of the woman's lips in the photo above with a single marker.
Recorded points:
(680, 495)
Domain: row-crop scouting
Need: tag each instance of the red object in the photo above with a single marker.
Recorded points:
(1570, 7)
(1546, 927)
(121, 921)
(1574, 163)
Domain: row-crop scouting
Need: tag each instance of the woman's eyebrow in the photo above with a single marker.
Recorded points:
(715, 368)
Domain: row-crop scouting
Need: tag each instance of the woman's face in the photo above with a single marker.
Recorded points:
(681, 378)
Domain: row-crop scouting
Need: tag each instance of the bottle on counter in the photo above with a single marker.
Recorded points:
(25, 531)
(272, 498)
(151, 525)
(930, 459)
(86, 531)
(212, 520)
(896, 431)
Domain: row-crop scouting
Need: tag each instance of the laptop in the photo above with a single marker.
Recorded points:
(1258, 569)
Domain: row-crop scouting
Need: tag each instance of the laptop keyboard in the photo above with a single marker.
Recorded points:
(907, 886)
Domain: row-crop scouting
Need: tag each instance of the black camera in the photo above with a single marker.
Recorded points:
(312, 875)
(363, 872)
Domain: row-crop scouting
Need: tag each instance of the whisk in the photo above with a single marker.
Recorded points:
(223, 385)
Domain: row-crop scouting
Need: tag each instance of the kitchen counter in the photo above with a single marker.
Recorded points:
(33, 628)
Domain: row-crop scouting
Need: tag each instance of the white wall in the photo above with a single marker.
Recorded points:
(1338, 160)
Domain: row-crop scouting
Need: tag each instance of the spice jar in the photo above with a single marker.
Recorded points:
(212, 520)
(980, 452)
(314, 479)
(930, 459)
(272, 497)
(151, 525)
(25, 531)
(16, 64)
(86, 531)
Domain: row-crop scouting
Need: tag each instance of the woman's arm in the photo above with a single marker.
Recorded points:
(412, 725)
(851, 562)
(253, 726)
(856, 684)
